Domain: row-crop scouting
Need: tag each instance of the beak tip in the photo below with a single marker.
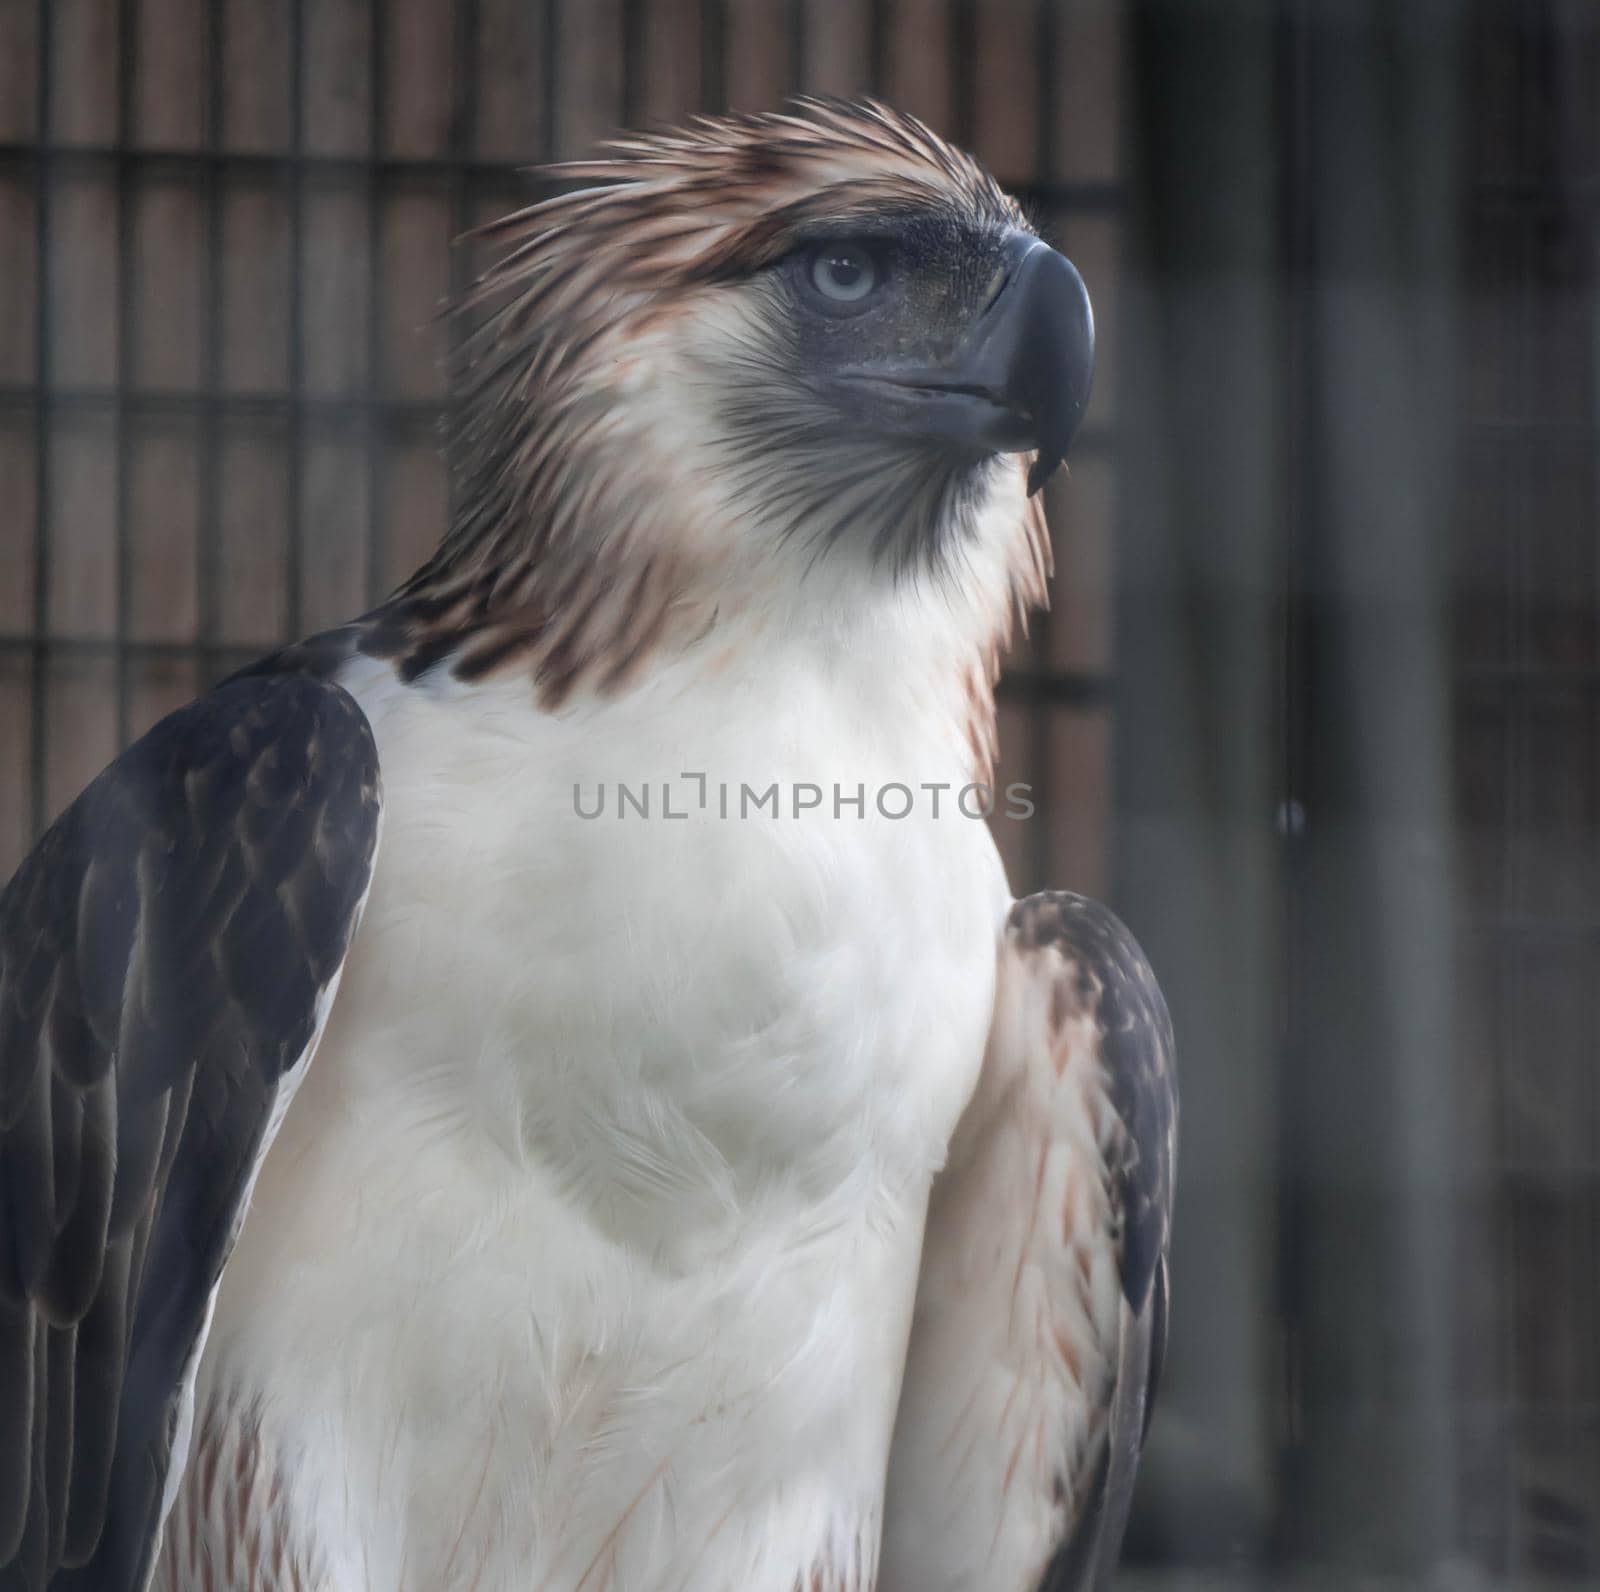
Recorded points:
(1046, 352)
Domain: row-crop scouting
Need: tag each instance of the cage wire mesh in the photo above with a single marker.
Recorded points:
(224, 240)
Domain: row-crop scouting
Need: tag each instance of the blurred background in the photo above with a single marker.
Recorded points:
(1317, 705)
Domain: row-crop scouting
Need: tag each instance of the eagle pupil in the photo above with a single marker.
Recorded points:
(843, 273)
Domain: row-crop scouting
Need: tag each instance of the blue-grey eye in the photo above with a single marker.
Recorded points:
(843, 272)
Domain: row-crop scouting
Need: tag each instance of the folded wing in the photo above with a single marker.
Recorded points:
(168, 953)
(1041, 1310)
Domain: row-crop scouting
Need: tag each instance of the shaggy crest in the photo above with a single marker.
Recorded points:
(585, 273)
(718, 198)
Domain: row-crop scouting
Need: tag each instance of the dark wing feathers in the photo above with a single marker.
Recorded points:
(1112, 979)
(162, 952)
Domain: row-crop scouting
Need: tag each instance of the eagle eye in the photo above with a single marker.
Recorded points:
(843, 273)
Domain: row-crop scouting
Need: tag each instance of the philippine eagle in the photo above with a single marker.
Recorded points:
(733, 1199)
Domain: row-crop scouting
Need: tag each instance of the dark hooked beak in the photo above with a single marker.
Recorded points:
(1020, 380)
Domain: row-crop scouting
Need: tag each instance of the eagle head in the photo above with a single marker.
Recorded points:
(734, 353)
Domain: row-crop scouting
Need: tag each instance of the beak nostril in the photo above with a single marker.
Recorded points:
(997, 282)
(1022, 244)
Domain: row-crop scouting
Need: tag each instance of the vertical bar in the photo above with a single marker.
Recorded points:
(468, 27)
(633, 62)
(1523, 158)
(714, 55)
(1047, 43)
(374, 431)
(963, 67)
(40, 697)
(550, 75)
(208, 572)
(1523, 388)
(1296, 48)
(797, 46)
(878, 45)
(1040, 650)
(295, 560)
(1122, 272)
(127, 77)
